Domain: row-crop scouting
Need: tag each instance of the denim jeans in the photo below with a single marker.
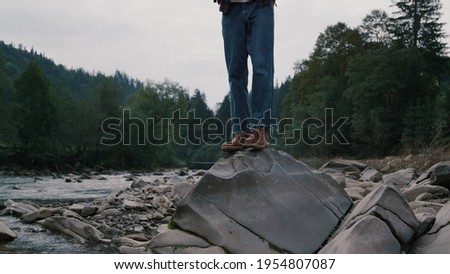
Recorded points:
(248, 30)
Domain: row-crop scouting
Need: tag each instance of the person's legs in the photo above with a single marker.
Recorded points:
(248, 29)
(234, 30)
(260, 45)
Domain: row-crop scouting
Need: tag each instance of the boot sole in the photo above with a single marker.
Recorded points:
(257, 146)
(232, 149)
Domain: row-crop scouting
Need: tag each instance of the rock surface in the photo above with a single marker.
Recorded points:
(6, 234)
(73, 227)
(437, 240)
(382, 222)
(438, 175)
(401, 178)
(263, 202)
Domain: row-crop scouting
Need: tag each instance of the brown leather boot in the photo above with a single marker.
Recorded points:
(258, 139)
(236, 144)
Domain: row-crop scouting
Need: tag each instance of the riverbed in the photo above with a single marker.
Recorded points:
(45, 190)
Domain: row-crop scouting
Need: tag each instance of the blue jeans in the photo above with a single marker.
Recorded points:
(248, 30)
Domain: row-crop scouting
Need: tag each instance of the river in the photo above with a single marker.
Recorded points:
(34, 239)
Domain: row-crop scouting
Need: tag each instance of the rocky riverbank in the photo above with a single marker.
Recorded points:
(127, 216)
(262, 202)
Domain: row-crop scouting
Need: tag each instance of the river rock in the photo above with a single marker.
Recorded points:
(339, 178)
(179, 242)
(89, 211)
(437, 240)
(127, 241)
(176, 180)
(356, 193)
(181, 189)
(139, 184)
(189, 250)
(132, 250)
(401, 178)
(78, 208)
(6, 234)
(383, 205)
(18, 209)
(372, 175)
(438, 175)
(423, 213)
(133, 205)
(162, 189)
(418, 204)
(71, 214)
(369, 235)
(412, 193)
(75, 228)
(42, 213)
(176, 238)
(263, 202)
(344, 166)
(161, 202)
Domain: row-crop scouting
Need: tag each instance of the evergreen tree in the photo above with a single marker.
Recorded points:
(159, 109)
(416, 25)
(223, 114)
(4, 105)
(202, 131)
(375, 28)
(319, 83)
(34, 115)
(279, 96)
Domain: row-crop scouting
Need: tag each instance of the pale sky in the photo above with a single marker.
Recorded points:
(175, 39)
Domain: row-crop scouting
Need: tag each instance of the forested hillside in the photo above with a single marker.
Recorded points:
(380, 88)
(389, 77)
(54, 117)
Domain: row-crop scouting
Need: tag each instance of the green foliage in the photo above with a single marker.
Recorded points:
(319, 84)
(34, 114)
(388, 88)
(376, 28)
(223, 114)
(388, 76)
(61, 116)
(151, 108)
(417, 25)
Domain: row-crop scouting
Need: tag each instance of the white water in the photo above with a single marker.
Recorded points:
(32, 238)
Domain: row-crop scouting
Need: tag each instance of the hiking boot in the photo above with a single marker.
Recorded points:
(236, 144)
(258, 139)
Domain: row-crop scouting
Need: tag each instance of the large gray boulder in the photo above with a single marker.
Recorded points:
(263, 202)
(438, 175)
(382, 222)
(437, 240)
(74, 228)
(6, 234)
(369, 235)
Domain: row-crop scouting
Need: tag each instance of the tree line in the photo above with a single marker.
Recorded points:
(389, 77)
(53, 117)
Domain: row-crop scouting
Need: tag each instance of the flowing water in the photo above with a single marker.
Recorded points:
(34, 239)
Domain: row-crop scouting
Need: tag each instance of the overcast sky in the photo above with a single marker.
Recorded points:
(175, 39)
